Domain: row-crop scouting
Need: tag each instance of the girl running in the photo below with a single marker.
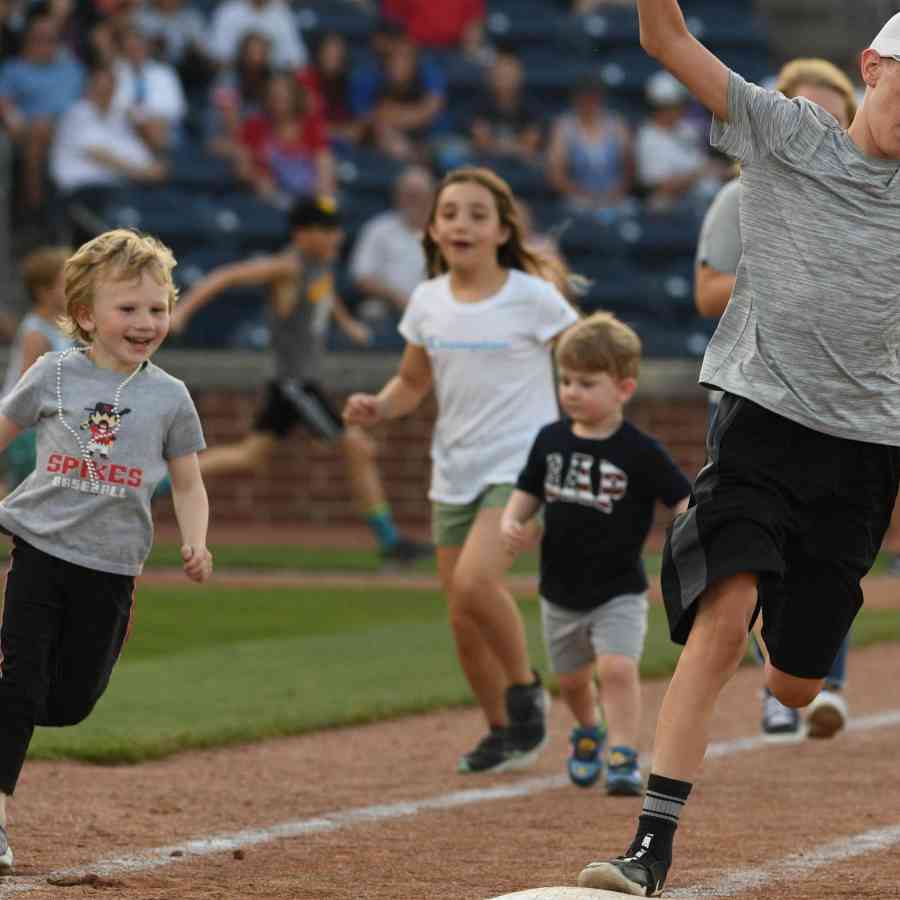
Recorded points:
(480, 331)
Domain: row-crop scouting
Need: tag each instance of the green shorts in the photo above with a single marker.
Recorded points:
(451, 522)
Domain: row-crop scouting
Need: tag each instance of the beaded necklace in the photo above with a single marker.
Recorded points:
(87, 458)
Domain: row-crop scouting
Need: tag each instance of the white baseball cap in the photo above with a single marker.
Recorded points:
(664, 89)
(887, 41)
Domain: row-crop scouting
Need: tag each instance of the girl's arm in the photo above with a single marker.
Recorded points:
(265, 270)
(192, 512)
(34, 344)
(520, 508)
(665, 36)
(399, 397)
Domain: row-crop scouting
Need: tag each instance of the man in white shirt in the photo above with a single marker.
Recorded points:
(148, 90)
(96, 148)
(388, 261)
(234, 18)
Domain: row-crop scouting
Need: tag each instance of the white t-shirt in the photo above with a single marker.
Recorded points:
(160, 96)
(663, 153)
(84, 127)
(493, 378)
(389, 250)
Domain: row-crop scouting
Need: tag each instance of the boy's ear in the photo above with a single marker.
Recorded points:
(627, 387)
(84, 317)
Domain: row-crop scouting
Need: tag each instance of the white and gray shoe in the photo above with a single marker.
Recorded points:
(6, 854)
(827, 715)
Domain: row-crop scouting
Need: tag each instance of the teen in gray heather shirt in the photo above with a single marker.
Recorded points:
(109, 424)
(802, 472)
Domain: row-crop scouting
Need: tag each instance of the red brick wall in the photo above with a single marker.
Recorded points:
(306, 481)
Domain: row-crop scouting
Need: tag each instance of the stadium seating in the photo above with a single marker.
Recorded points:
(641, 267)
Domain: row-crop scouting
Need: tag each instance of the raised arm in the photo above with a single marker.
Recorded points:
(665, 36)
(265, 270)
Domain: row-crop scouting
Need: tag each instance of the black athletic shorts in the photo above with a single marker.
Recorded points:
(803, 510)
(290, 403)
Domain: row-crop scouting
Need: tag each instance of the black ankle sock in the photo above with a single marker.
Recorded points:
(663, 802)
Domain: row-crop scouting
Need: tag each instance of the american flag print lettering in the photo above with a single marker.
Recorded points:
(578, 484)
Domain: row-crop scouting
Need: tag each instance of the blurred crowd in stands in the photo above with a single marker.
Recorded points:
(229, 111)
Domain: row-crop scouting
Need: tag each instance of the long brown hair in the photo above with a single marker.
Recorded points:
(515, 253)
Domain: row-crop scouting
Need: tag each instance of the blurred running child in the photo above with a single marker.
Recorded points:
(480, 331)
(38, 333)
(718, 255)
(789, 512)
(109, 425)
(598, 478)
(301, 304)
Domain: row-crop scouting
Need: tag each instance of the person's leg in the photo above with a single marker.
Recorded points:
(32, 618)
(578, 691)
(828, 713)
(715, 647)
(91, 639)
(620, 695)
(34, 159)
(247, 455)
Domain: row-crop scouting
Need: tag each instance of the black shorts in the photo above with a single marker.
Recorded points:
(287, 404)
(803, 510)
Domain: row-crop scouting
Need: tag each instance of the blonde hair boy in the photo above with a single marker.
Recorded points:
(121, 255)
(600, 343)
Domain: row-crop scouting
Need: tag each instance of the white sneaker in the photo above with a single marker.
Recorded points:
(827, 715)
(780, 724)
(6, 854)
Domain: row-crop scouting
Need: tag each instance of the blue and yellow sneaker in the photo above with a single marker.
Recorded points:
(623, 774)
(586, 761)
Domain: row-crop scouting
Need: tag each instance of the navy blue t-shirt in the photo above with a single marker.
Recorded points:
(599, 496)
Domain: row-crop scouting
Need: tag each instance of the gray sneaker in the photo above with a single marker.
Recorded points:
(6, 854)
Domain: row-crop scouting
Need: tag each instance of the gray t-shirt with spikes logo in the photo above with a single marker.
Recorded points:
(104, 524)
(812, 331)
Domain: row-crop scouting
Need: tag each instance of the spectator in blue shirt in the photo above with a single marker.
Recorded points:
(36, 87)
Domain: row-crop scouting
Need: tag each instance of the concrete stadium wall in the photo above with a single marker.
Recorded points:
(306, 481)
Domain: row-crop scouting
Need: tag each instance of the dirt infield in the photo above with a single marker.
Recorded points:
(377, 813)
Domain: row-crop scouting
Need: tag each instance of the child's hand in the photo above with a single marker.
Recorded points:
(198, 562)
(514, 535)
(362, 409)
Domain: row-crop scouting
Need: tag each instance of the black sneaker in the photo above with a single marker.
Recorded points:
(405, 552)
(490, 755)
(627, 875)
(527, 706)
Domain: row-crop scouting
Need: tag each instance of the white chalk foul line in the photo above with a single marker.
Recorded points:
(798, 864)
(199, 847)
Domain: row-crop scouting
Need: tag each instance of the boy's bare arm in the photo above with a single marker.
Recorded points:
(265, 270)
(192, 512)
(665, 36)
(520, 509)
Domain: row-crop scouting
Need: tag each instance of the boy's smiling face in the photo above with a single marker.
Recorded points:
(127, 322)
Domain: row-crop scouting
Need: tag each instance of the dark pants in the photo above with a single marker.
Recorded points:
(63, 629)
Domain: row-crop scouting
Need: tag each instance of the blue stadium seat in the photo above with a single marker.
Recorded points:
(584, 237)
(183, 221)
(235, 312)
(608, 28)
(653, 235)
(245, 222)
(193, 168)
(526, 21)
(316, 17)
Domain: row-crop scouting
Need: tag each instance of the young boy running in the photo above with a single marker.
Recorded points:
(301, 303)
(789, 512)
(598, 478)
(109, 425)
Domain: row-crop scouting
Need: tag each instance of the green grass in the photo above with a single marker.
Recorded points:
(211, 665)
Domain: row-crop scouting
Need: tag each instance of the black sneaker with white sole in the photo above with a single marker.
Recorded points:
(644, 877)
(527, 706)
(405, 552)
(489, 755)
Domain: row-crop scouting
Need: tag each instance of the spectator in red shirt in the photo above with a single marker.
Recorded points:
(286, 153)
(444, 25)
(328, 80)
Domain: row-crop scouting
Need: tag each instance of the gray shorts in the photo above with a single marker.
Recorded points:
(575, 638)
